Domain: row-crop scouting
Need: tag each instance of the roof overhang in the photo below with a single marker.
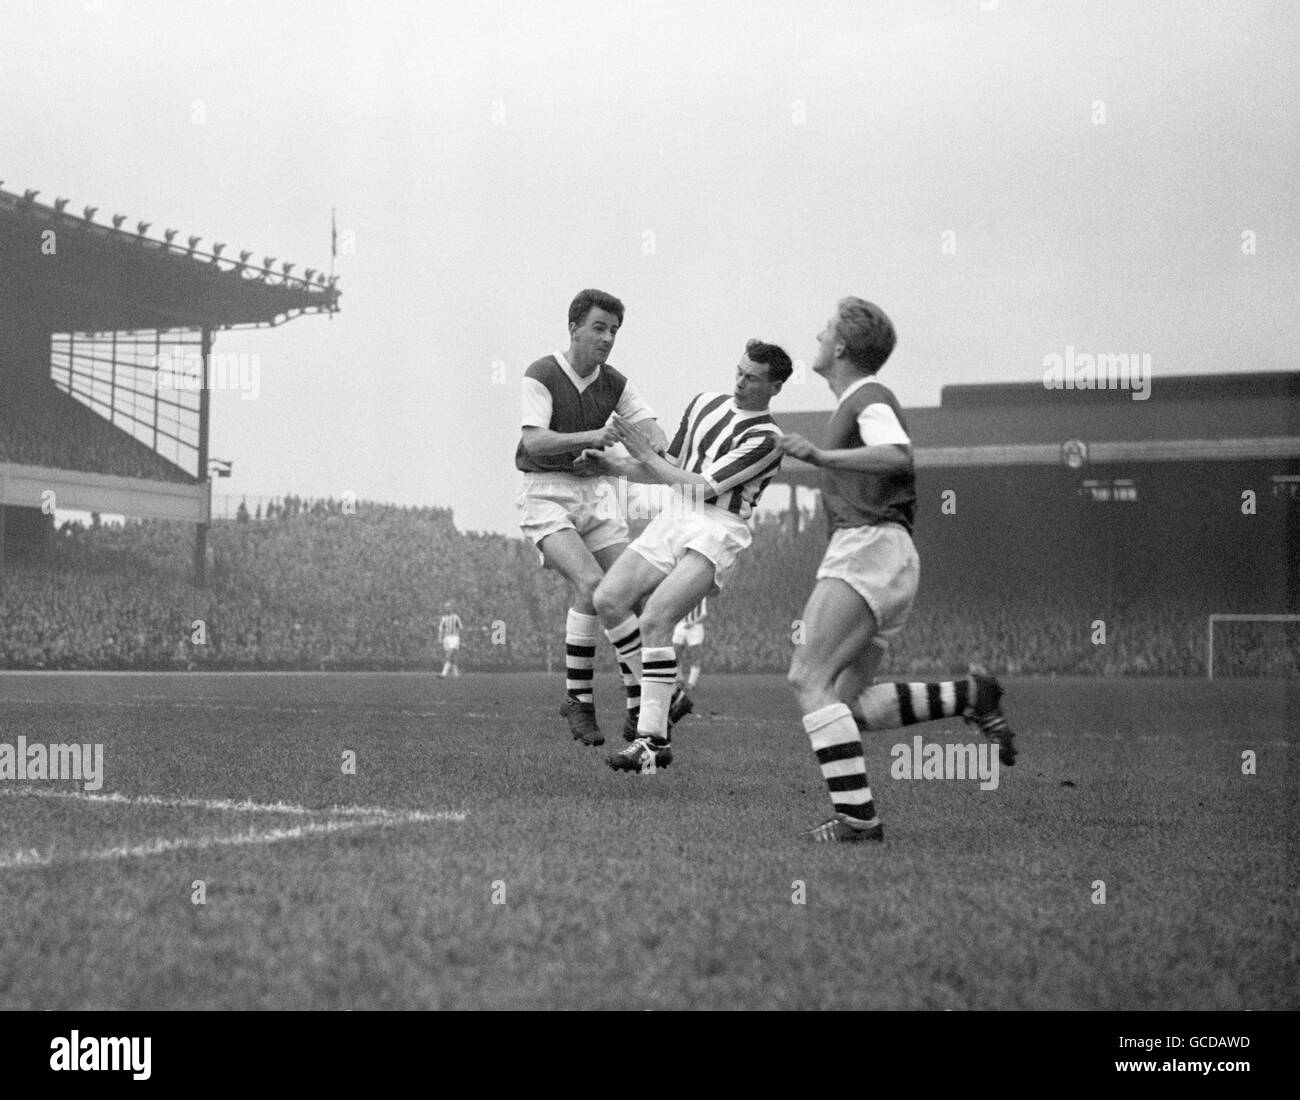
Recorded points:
(79, 276)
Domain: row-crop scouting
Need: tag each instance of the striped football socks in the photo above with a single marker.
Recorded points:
(838, 745)
(888, 706)
(658, 678)
(580, 633)
(626, 639)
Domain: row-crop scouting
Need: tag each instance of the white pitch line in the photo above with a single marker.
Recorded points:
(245, 806)
(259, 708)
(214, 673)
(161, 845)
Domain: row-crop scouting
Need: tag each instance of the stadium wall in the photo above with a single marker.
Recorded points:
(1189, 525)
(24, 362)
(25, 486)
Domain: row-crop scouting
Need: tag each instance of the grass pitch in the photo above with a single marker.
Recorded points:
(495, 863)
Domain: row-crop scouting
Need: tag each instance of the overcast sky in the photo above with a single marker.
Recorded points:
(1004, 182)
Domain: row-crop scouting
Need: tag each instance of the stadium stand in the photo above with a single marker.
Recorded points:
(55, 430)
(311, 586)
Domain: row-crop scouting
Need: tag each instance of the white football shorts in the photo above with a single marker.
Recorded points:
(648, 501)
(880, 563)
(556, 502)
(692, 635)
(718, 535)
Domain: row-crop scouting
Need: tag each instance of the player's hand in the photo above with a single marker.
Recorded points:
(603, 437)
(797, 447)
(593, 463)
(634, 439)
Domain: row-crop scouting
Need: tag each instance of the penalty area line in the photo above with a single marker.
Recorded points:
(162, 845)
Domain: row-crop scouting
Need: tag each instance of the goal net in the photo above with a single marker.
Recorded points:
(1252, 645)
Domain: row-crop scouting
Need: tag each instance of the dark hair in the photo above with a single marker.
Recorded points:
(587, 300)
(779, 367)
(868, 334)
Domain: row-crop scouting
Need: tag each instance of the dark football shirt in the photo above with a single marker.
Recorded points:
(857, 499)
(571, 411)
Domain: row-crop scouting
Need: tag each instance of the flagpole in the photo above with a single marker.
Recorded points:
(334, 246)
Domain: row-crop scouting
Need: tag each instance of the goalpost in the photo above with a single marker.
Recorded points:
(1209, 640)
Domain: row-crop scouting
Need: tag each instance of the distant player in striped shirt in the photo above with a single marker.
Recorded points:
(688, 640)
(722, 458)
(867, 579)
(572, 516)
(449, 630)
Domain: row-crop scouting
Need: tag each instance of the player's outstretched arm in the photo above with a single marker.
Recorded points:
(542, 441)
(602, 463)
(633, 408)
(657, 436)
(883, 459)
(652, 468)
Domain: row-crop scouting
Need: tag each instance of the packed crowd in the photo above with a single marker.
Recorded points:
(318, 587)
(58, 431)
(324, 586)
(291, 505)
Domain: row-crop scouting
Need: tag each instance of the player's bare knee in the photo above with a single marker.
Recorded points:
(656, 628)
(657, 634)
(586, 586)
(607, 602)
(805, 677)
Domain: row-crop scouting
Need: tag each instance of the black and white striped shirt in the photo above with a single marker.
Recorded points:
(736, 451)
(697, 614)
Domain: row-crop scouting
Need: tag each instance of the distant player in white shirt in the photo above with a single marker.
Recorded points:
(722, 458)
(449, 630)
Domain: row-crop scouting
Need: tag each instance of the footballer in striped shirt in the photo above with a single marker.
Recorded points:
(449, 628)
(688, 640)
(724, 455)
